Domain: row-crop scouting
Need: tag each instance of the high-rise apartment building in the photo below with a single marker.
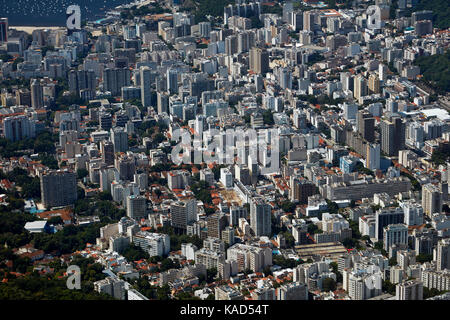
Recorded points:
(107, 150)
(392, 136)
(126, 167)
(227, 293)
(119, 138)
(183, 213)
(443, 255)
(136, 207)
(386, 217)
(366, 125)
(116, 78)
(236, 213)
(146, 95)
(23, 97)
(409, 290)
(260, 217)
(58, 188)
(359, 87)
(259, 60)
(373, 156)
(250, 257)
(293, 291)
(395, 234)
(413, 213)
(374, 84)
(37, 94)
(162, 102)
(156, 244)
(105, 120)
(18, 128)
(231, 45)
(309, 20)
(431, 199)
(301, 189)
(82, 80)
(3, 30)
(172, 81)
(216, 223)
(362, 285)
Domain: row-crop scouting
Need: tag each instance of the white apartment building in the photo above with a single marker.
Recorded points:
(156, 244)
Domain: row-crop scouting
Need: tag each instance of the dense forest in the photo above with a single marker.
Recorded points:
(441, 11)
(210, 7)
(33, 286)
(436, 71)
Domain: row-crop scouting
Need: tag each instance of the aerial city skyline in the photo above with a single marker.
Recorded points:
(225, 150)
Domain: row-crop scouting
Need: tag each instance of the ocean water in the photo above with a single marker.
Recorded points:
(53, 12)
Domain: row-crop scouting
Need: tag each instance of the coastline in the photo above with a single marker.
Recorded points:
(30, 29)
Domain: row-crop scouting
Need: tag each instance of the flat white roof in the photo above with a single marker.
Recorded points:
(35, 224)
(441, 114)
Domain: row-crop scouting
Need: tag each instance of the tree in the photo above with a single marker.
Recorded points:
(423, 257)
(200, 190)
(445, 208)
(428, 293)
(288, 206)
(392, 261)
(32, 189)
(388, 287)
(332, 207)
(67, 240)
(289, 238)
(440, 8)
(105, 196)
(211, 274)
(248, 271)
(350, 243)
(355, 229)
(328, 284)
(55, 220)
(436, 70)
(378, 245)
(256, 23)
(314, 58)
(81, 173)
(34, 287)
(167, 264)
(135, 253)
(267, 272)
(268, 117)
(159, 137)
(281, 261)
(186, 296)
(440, 157)
(162, 293)
(359, 167)
(334, 266)
(206, 8)
(313, 229)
